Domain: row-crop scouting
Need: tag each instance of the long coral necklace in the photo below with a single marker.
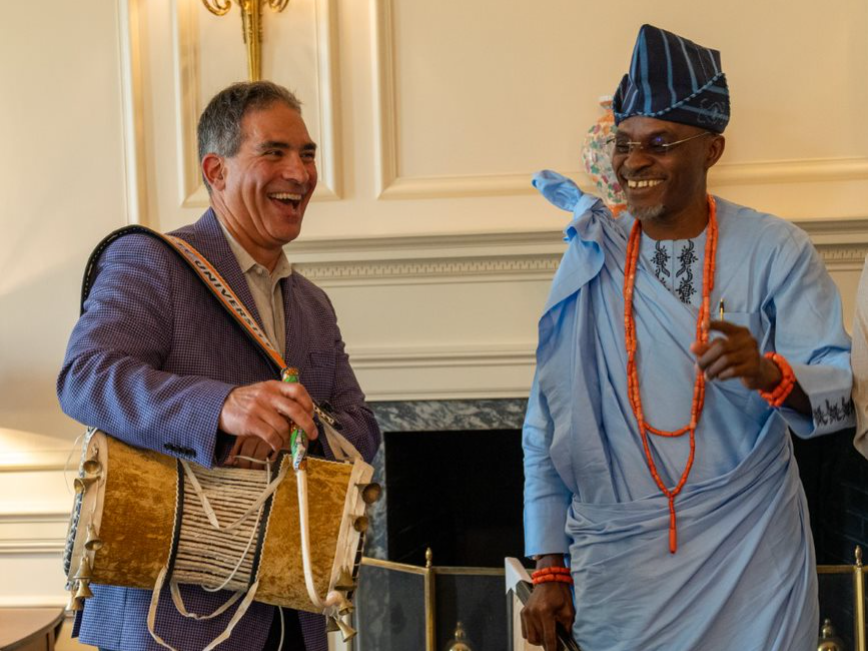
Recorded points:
(632, 368)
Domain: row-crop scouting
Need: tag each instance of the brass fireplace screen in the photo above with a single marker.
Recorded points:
(842, 598)
(401, 606)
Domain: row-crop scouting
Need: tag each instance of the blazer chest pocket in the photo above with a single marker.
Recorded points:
(319, 375)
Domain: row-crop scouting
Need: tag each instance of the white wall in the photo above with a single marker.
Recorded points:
(431, 117)
(61, 189)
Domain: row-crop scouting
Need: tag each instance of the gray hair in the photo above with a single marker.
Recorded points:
(219, 129)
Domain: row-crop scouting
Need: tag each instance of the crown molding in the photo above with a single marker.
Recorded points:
(431, 271)
(722, 175)
(841, 257)
(32, 547)
(479, 267)
(824, 232)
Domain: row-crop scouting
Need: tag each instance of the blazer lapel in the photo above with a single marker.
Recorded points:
(296, 340)
(208, 238)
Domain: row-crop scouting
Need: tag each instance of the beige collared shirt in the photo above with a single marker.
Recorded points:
(266, 291)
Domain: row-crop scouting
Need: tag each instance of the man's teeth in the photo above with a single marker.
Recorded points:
(285, 196)
(647, 183)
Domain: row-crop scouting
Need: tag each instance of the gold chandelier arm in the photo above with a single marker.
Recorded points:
(278, 5)
(218, 7)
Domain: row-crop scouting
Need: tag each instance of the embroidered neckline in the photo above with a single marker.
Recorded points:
(687, 257)
(661, 262)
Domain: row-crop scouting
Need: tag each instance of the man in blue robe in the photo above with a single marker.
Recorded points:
(728, 563)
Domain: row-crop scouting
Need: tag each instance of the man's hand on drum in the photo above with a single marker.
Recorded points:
(260, 416)
(550, 604)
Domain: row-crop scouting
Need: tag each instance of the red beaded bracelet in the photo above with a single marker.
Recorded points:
(549, 574)
(550, 578)
(781, 392)
(555, 569)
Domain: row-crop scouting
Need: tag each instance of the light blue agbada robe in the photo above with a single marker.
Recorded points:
(744, 573)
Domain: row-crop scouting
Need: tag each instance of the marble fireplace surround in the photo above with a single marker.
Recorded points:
(432, 416)
(449, 415)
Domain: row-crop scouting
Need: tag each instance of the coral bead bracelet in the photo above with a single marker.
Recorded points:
(552, 574)
(777, 396)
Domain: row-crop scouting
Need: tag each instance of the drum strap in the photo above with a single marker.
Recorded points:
(260, 505)
(239, 613)
(230, 302)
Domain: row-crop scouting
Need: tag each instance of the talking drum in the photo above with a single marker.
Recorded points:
(142, 519)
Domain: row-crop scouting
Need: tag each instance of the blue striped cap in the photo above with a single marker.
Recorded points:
(673, 79)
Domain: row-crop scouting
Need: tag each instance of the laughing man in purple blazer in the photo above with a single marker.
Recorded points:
(155, 361)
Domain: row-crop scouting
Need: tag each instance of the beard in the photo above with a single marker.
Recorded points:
(647, 213)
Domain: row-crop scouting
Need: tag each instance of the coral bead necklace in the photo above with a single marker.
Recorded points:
(632, 369)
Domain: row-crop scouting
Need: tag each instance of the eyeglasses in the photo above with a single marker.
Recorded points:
(655, 146)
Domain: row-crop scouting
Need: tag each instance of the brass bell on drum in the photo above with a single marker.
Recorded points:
(73, 604)
(347, 631)
(345, 581)
(331, 625)
(83, 591)
(91, 467)
(360, 524)
(370, 492)
(92, 543)
(346, 609)
(81, 484)
(84, 570)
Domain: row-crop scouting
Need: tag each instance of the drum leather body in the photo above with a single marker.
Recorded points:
(130, 505)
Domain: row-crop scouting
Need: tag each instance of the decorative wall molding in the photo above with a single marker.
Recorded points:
(427, 246)
(35, 547)
(418, 272)
(456, 372)
(187, 72)
(132, 107)
(843, 258)
(193, 192)
(393, 185)
(134, 88)
(24, 532)
(385, 97)
(512, 391)
(443, 356)
(723, 175)
(494, 268)
(824, 232)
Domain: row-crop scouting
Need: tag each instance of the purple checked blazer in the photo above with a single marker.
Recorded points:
(151, 361)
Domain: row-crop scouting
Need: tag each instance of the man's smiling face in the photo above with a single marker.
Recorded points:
(660, 186)
(264, 189)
